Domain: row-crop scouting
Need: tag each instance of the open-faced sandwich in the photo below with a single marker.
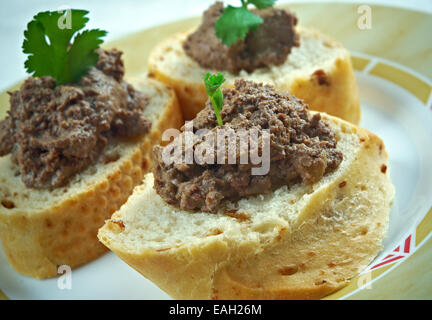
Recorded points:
(264, 45)
(292, 212)
(74, 144)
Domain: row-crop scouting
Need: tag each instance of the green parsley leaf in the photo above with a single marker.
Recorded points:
(213, 81)
(262, 4)
(50, 49)
(212, 85)
(82, 55)
(236, 22)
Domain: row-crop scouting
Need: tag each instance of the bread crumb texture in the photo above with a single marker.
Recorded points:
(319, 71)
(43, 229)
(302, 242)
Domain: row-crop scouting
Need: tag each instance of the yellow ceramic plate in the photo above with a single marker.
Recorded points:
(393, 62)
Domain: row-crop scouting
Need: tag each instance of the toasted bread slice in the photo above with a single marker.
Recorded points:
(42, 229)
(301, 242)
(319, 71)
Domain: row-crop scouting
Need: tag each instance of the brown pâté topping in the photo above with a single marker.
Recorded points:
(268, 45)
(302, 149)
(54, 132)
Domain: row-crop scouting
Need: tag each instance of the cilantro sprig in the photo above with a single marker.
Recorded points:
(51, 52)
(236, 22)
(212, 83)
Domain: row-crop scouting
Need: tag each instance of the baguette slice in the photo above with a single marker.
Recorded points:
(302, 242)
(42, 229)
(333, 89)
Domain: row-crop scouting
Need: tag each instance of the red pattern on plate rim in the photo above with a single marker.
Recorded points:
(401, 251)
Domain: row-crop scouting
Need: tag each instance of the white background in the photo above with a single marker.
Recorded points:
(117, 17)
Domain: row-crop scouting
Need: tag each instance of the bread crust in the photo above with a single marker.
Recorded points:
(37, 243)
(337, 233)
(332, 90)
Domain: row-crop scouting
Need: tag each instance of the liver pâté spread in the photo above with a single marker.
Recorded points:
(270, 44)
(54, 132)
(302, 149)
